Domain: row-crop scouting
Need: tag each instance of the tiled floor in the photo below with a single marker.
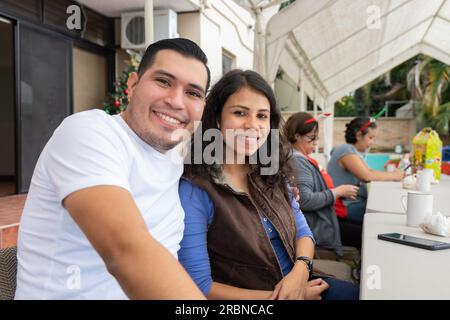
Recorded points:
(11, 209)
(10, 212)
(8, 236)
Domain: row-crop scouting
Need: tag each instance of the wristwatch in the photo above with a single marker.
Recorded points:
(308, 262)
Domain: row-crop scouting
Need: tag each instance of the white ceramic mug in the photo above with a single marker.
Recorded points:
(424, 179)
(409, 182)
(417, 206)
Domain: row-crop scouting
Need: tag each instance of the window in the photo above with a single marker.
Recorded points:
(227, 61)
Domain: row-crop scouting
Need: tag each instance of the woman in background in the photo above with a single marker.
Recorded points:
(320, 200)
(347, 167)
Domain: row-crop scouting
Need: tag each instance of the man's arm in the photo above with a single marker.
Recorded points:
(111, 221)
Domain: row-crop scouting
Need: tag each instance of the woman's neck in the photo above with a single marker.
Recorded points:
(236, 170)
(358, 147)
(299, 150)
(236, 175)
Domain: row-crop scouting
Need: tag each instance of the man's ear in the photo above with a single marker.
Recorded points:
(131, 84)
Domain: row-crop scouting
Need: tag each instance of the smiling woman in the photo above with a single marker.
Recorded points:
(244, 236)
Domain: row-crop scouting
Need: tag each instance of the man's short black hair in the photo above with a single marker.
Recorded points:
(185, 47)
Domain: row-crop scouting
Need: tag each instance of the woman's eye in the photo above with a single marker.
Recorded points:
(263, 116)
(239, 113)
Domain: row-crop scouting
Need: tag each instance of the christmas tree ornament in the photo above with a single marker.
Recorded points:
(117, 100)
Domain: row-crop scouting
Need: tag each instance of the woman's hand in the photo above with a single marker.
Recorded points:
(398, 175)
(294, 189)
(315, 288)
(346, 191)
(295, 193)
(293, 285)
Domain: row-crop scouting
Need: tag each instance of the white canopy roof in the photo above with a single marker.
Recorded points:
(344, 44)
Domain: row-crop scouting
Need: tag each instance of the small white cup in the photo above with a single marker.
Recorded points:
(424, 179)
(390, 167)
(417, 206)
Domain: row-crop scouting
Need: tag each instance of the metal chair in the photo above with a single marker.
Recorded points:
(8, 272)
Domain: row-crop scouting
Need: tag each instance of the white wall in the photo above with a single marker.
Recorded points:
(90, 72)
(286, 94)
(188, 25)
(224, 25)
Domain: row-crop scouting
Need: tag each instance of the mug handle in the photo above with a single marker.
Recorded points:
(404, 203)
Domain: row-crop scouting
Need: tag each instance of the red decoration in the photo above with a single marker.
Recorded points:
(125, 91)
(310, 120)
(118, 84)
(116, 103)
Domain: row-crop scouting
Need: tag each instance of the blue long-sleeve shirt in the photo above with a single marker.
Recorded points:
(199, 213)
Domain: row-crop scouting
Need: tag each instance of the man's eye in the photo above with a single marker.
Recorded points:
(194, 94)
(162, 81)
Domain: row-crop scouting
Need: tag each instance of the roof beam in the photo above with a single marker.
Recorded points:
(278, 25)
(372, 74)
(302, 60)
(357, 31)
(377, 49)
(435, 52)
(434, 18)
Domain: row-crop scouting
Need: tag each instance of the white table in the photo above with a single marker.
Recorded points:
(395, 271)
(386, 196)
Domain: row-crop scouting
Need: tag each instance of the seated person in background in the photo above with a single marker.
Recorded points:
(319, 199)
(245, 237)
(347, 166)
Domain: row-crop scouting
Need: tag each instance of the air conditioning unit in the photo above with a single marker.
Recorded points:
(165, 24)
(133, 28)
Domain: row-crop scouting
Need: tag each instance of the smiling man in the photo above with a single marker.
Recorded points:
(103, 219)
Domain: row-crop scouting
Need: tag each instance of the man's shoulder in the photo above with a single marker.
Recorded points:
(86, 123)
(88, 117)
(82, 130)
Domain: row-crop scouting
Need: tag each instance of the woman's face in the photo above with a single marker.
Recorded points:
(364, 142)
(245, 122)
(307, 143)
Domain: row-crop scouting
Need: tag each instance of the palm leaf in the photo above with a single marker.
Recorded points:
(442, 121)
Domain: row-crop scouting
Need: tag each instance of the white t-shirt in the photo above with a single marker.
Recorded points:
(55, 259)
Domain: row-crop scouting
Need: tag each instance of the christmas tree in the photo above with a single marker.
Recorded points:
(117, 101)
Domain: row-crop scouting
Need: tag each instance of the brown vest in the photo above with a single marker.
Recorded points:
(239, 248)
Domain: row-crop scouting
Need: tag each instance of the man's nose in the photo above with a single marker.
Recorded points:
(175, 98)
